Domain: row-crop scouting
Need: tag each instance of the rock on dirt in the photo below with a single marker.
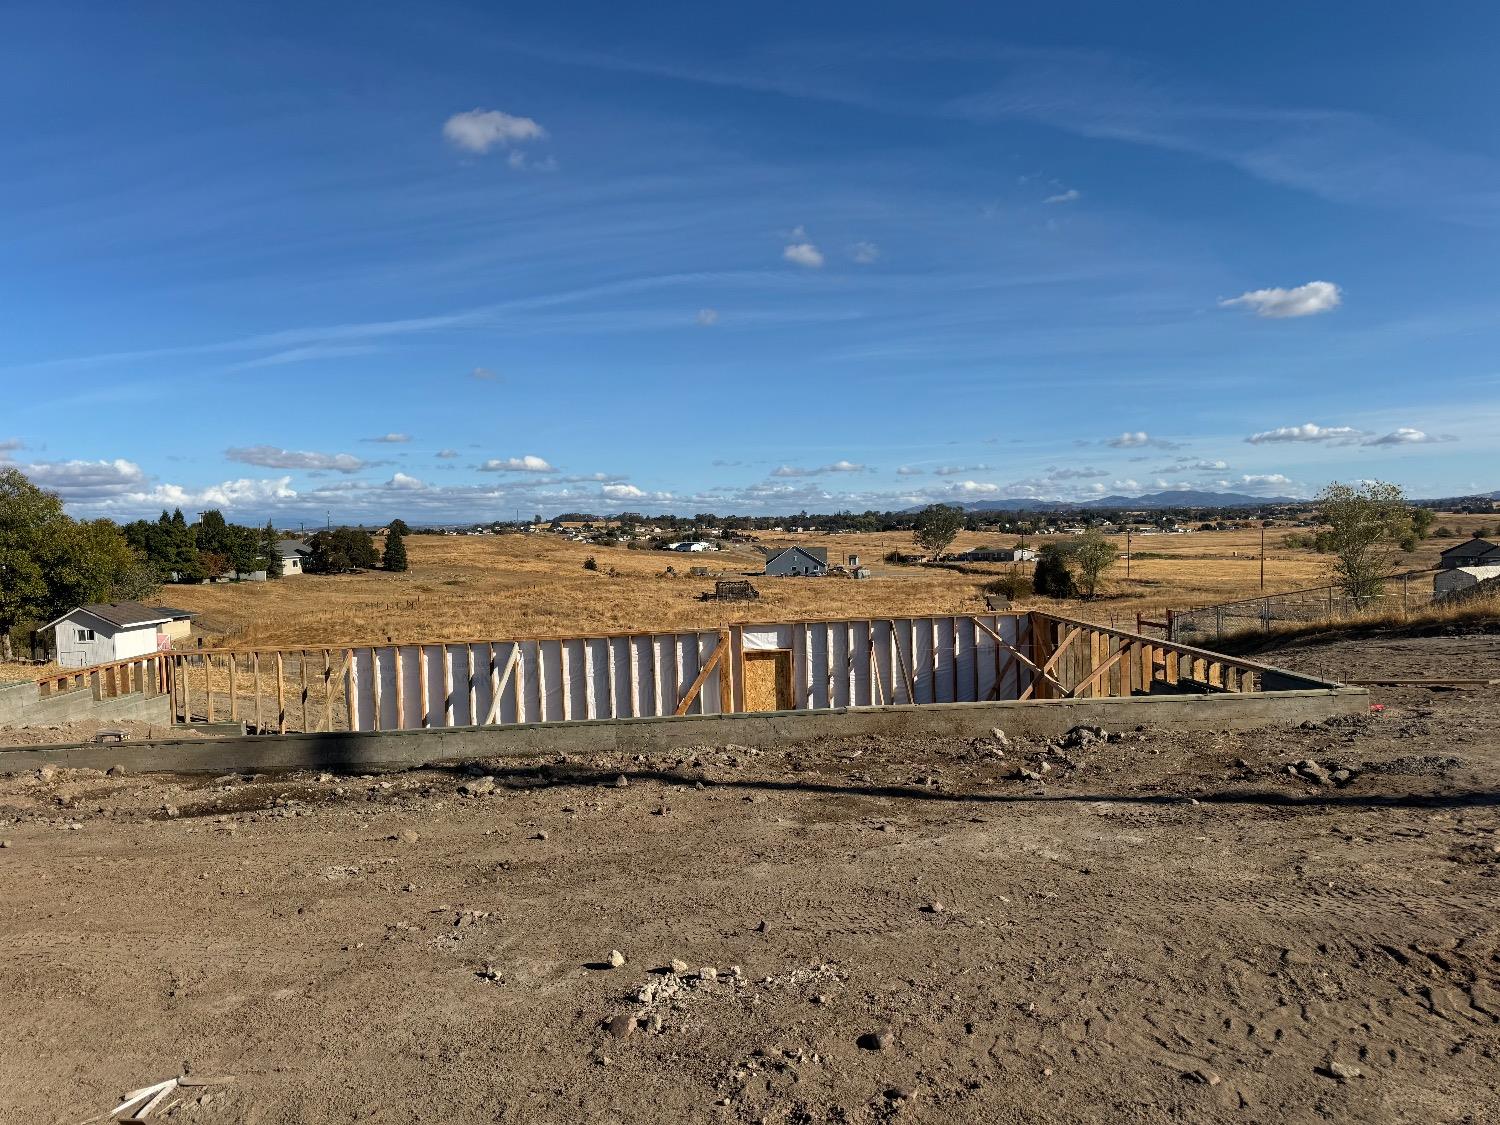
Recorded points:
(616, 959)
(875, 1040)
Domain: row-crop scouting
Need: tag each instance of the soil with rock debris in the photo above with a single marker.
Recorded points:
(1140, 927)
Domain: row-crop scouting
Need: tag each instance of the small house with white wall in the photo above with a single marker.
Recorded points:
(101, 634)
(293, 553)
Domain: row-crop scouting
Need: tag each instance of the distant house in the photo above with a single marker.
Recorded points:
(293, 553)
(805, 561)
(1473, 552)
(100, 634)
(1451, 579)
(997, 554)
(691, 546)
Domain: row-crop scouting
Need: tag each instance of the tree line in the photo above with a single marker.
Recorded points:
(51, 563)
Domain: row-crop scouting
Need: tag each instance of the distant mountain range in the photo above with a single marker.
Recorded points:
(1183, 498)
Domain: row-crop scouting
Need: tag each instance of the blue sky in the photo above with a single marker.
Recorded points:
(460, 261)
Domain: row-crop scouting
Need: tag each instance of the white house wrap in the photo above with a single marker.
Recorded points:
(851, 663)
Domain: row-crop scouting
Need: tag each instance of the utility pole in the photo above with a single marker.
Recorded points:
(1263, 555)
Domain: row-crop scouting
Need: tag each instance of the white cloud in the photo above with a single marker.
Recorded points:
(1406, 435)
(959, 470)
(83, 481)
(1309, 432)
(1135, 439)
(1266, 480)
(707, 317)
(271, 457)
(813, 471)
(865, 253)
(973, 488)
(1072, 195)
(389, 439)
(1304, 300)
(404, 483)
(446, 454)
(523, 162)
(530, 463)
(623, 492)
(804, 254)
(909, 471)
(483, 373)
(480, 130)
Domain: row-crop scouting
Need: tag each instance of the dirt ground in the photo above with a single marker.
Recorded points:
(1163, 927)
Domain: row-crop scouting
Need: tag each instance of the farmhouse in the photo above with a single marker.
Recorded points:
(101, 634)
(293, 553)
(806, 561)
(691, 546)
(1474, 552)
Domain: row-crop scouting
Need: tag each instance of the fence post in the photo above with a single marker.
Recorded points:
(1265, 616)
(1219, 623)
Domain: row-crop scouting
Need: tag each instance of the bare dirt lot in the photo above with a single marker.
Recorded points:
(1164, 927)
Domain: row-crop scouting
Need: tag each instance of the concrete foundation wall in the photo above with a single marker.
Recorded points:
(364, 751)
(22, 706)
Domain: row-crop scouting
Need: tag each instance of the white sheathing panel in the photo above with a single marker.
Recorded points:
(851, 663)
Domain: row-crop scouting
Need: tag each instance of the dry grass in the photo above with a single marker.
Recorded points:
(487, 587)
(493, 587)
(1466, 613)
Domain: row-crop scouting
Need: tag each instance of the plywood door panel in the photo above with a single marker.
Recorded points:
(768, 680)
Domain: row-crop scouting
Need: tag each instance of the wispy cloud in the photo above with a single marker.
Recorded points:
(803, 471)
(864, 253)
(707, 317)
(389, 439)
(1339, 155)
(1137, 439)
(484, 374)
(1303, 300)
(272, 457)
(1310, 432)
(1072, 195)
(1407, 435)
(308, 354)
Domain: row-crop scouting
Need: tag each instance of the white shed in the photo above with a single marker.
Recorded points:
(100, 634)
(1457, 578)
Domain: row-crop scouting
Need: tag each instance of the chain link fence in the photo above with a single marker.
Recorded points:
(1399, 593)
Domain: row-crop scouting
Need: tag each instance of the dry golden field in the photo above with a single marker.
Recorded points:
(504, 586)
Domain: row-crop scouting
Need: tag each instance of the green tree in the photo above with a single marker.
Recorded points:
(270, 552)
(937, 526)
(50, 563)
(1092, 555)
(1364, 526)
(395, 552)
(398, 527)
(1053, 578)
(1421, 527)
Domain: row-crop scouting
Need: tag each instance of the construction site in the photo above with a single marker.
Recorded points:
(973, 867)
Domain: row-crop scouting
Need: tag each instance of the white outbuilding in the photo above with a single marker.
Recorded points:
(101, 634)
(1454, 579)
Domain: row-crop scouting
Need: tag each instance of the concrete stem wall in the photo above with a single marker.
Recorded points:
(363, 751)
